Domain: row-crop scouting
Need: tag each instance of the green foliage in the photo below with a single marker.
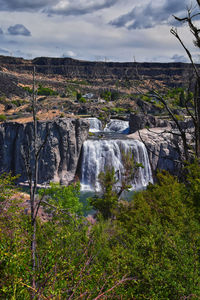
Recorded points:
(193, 186)
(44, 91)
(150, 250)
(7, 188)
(28, 89)
(91, 133)
(64, 197)
(178, 96)
(147, 98)
(41, 91)
(162, 233)
(3, 100)
(108, 200)
(18, 102)
(110, 95)
(3, 118)
(80, 98)
(70, 90)
(118, 110)
(106, 95)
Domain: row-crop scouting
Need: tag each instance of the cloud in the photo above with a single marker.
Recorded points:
(25, 5)
(179, 58)
(69, 54)
(5, 52)
(63, 7)
(1, 31)
(19, 29)
(79, 7)
(153, 13)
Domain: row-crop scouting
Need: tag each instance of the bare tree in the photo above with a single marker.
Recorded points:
(191, 146)
(31, 155)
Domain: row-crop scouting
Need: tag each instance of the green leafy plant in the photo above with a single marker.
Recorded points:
(63, 197)
(3, 118)
(44, 91)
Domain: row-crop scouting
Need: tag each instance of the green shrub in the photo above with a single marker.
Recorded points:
(18, 102)
(118, 110)
(105, 109)
(106, 95)
(82, 100)
(43, 91)
(3, 100)
(2, 118)
(28, 89)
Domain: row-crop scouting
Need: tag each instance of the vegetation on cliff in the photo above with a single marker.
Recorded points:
(149, 249)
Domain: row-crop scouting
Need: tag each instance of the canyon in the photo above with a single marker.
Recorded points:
(71, 151)
(79, 145)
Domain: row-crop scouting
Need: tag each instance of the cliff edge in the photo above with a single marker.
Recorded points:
(59, 157)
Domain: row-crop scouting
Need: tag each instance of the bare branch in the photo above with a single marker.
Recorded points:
(175, 33)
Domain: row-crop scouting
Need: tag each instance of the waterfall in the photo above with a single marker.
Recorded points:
(100, 153)
(117, 126)
(95, 125)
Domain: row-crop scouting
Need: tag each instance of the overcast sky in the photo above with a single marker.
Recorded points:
(111, 30)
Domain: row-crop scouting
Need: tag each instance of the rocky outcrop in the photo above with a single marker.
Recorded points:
(59, 157)
(164, 149)
(140, 121)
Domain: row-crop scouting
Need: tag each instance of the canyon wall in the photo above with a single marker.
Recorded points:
(172, 74)
(59, 157)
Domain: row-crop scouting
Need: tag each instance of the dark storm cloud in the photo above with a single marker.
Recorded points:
(152, 14)
(64, 7)
(19, 29)
(79, 7)
(25, 5)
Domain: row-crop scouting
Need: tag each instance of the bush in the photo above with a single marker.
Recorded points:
(28, 89)
(43, 91)
(106, 95)
(118, 110)
(82, 100)
(3, 118)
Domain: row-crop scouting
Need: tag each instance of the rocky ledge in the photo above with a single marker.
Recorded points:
(163, 148)
(59, 156)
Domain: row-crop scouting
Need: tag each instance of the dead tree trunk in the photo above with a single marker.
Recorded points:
(31, 155)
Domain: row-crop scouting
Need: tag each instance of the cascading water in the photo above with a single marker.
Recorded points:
(117, 126)
(100, 153)
(107, 151)
(95, 125)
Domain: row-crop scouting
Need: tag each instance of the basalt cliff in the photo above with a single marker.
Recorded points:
(16, 70)
(59, 156)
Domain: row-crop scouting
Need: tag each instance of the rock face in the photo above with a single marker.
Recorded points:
(163, 149)
(173, 74)
(59, 157)
(140, 121)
